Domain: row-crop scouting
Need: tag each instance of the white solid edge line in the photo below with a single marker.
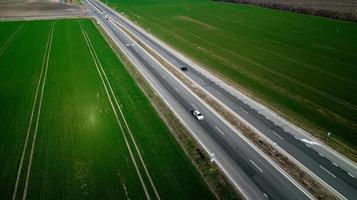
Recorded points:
(231, 179)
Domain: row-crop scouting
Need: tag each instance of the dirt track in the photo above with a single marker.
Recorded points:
(40, 8)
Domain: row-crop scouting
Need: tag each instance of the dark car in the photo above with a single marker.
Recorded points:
(184, 69)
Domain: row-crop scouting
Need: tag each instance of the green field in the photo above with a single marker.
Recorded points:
(305, 67)
(82, 137)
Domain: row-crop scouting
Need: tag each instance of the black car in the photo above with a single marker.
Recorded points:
(184, 69)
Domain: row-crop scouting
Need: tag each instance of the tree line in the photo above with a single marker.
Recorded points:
(341, 15)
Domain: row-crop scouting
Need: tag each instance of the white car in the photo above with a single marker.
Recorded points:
(197, 114)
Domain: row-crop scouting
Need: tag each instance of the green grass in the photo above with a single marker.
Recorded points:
(303, 66)
(79, 151)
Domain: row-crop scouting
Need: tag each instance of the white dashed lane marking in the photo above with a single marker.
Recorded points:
(256, 166)
(328, 171)
(220, 131)
(278, 135)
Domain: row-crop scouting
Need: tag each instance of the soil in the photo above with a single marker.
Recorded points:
(40, 8)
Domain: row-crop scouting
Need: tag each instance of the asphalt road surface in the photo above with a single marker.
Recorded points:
(246, 167)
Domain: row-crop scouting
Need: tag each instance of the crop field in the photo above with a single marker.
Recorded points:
(74, 124)
(305, 67)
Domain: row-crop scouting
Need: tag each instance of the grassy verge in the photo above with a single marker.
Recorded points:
(301, 66)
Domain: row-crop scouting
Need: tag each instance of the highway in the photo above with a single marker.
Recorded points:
(332, 169)
(255, 175)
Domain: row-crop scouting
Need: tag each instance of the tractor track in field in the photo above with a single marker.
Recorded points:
(112, 97)
(38, 116)
(42, 79)
(10, 40)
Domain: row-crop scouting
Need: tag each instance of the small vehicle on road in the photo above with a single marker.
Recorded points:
(197, 114)
(184, 69)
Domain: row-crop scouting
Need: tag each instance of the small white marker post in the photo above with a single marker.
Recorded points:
(328, 135)
(212, 157)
